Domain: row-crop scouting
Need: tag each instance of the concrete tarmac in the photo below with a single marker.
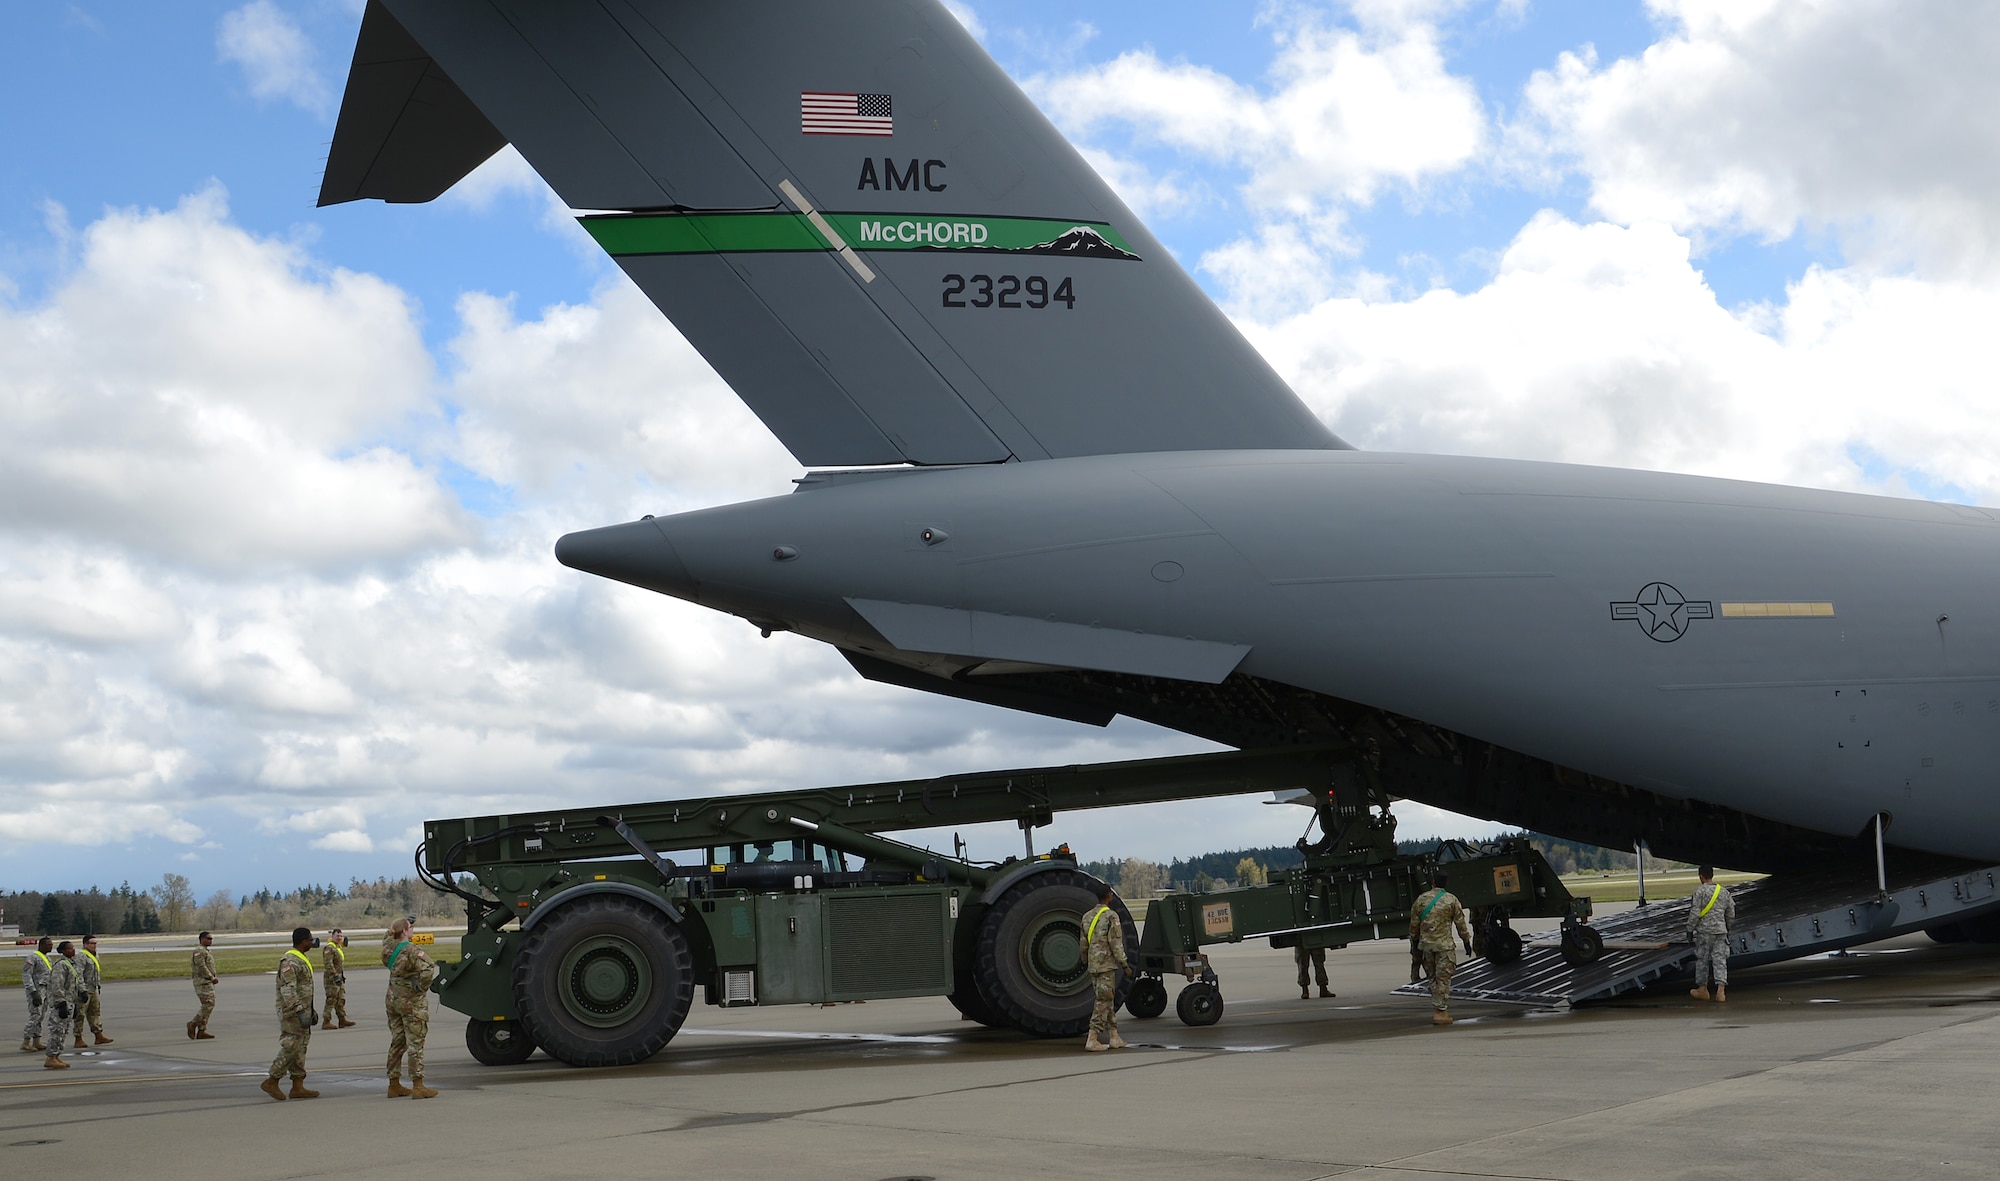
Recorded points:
(1877, 1064)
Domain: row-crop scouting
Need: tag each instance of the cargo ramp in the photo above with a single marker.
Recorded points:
(1782, 917)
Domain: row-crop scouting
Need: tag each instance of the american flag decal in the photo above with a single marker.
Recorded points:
(825, 113)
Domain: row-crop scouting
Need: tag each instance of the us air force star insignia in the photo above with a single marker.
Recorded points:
(1662, 612)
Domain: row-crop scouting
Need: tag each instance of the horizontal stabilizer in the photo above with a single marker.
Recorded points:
(406, 132)
(859, 220)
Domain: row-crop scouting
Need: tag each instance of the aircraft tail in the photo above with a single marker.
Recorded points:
(848, 208)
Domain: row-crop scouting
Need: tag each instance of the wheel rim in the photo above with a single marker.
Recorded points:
(498, 1036)
(604, 981)
(1052, 953)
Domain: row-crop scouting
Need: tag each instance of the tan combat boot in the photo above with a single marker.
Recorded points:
(202, 1035)
(270, 1087)
(419, 1091)
(1116, 1042)
(1324, 991)
(38, 1047)
(299, 1090)
(54, 1062)
(1721, 994)
(1440, 1018)
(346, 1024)
(396, 1088)
(101, 1039)
(1092, 1045)
(79, 1041)
(27, 1046)
(326, 1023)
(1700, 994)
(190, 1031)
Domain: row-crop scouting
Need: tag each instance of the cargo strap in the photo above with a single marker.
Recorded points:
(1712, 898)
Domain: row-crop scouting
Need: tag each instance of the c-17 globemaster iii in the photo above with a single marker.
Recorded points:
(1082, 493)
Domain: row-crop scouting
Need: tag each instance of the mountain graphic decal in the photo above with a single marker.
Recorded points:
(1081, 242)
(1075, 242)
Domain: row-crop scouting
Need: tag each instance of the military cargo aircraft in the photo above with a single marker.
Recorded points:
(1048, 473)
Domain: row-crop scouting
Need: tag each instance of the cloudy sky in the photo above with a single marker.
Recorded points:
(278, 485)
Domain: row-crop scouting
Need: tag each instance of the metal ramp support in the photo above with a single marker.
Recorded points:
(1783, 917)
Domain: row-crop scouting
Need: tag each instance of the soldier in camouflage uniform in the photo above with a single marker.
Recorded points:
(333, 962)
(205, 979)
(1311, 959)
(1711, 912)
(295, 1019)
(35, 982)
(1104, 954)
(1432, 920)
(59, 1003)
(409, 1005)
(90, 1005)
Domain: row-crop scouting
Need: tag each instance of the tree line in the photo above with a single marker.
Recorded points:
(171, 907)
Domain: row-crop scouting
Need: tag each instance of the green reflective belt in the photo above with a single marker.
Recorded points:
(1712, 898)
(1435, 899)
(397, 954)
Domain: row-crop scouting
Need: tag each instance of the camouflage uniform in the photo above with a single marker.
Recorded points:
(1710, 933)
(1104, 954)
(203, 971)
(90, 1005)
(295, 1015)
(409, 1005)
(1432, 920)
(333, 962)
(59, 1003)
(1310, 959)
(34, 982)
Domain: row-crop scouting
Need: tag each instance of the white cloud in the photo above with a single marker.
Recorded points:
(275, 54)
(200, 395)
(1601, 344)
(347, 840)
(1868, 119)
(1345, 113)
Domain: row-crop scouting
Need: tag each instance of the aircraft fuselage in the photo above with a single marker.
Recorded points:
(1810, 657)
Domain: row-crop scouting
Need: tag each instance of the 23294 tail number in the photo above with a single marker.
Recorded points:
(1008, 291)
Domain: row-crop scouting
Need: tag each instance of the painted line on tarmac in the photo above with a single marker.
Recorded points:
(125, 1078)
(924, 1039)
(933, 1039)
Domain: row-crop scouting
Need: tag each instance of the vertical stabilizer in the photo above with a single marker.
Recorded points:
(863, 224)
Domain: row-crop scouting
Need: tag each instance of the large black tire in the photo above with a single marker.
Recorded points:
(1502, 945)
(1147, 998)
(604, 981)
(1200, 1003)
(498, 1043)
(965, 997)
(1028, 958)
(1581, 945)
